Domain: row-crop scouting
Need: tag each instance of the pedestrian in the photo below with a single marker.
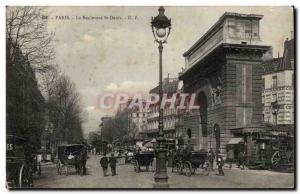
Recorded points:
(220, 163)
(211, 158)
(83, 158)
(113, 164)
(77, 164)
(104, 165)
(241, 160)
(230, 157)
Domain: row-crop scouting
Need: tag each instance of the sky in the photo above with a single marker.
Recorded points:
(120, 55)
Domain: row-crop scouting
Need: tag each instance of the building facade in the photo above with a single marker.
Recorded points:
(278, 89)
(137, 116)
(223, 68)
(170, 86)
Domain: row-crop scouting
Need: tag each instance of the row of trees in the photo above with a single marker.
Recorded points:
(39, 96)
(64, 111)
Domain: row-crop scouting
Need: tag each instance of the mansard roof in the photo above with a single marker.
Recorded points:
(170, 85)
(281, 63)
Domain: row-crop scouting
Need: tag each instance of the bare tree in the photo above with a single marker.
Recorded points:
(27, 30)
(48, 80)
(65, 109)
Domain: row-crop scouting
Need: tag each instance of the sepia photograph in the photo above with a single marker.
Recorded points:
(150, 97)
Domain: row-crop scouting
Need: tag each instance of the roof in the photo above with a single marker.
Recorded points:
(218, 24)
(272, 65)
(236, 140)
(170, 85)
(286, 62)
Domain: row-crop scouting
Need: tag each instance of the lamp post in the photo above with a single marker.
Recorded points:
(275, 107)
(161, 28)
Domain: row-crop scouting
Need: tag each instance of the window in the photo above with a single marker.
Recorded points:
(274, 78)
(189, 133)
(275, 119)
(263, 84)
(248, 30)
(263, 99)
(274, 97)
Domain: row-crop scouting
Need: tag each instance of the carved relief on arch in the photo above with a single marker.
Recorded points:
(215, 89)
(213, 84)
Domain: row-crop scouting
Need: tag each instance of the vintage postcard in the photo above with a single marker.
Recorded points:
(150, 97)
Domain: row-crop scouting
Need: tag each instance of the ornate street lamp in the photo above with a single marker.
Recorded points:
(275, 107)
(161, 28)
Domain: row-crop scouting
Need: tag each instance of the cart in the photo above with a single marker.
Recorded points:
(272, 151)
(143, 158)
(20, 166)
(188, 162)
(69, 157)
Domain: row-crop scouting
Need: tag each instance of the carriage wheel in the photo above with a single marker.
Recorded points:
(178, 168)
(193, 170)
(25, 176)
(275, 160)
(187, 169)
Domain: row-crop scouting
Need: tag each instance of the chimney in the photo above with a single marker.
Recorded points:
(286, 43)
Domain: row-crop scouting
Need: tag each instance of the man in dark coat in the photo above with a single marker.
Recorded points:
(83, 158)
(220, 163)
(211, 158)
(77, 164)
(113, 164)
(104, 164)
(230, 157)
(241, 160)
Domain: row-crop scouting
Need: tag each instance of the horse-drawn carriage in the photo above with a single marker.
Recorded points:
(186, 161)
(71, 156)
(143, 158)
(21, 164)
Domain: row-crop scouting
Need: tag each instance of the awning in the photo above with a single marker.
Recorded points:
(236, 140)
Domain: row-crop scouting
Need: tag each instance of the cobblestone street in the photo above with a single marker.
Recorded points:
(127, 178)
